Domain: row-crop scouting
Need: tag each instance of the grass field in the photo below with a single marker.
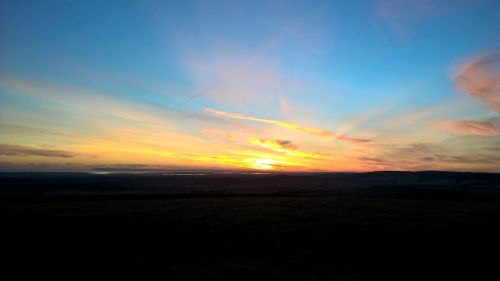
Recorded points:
(254, 238)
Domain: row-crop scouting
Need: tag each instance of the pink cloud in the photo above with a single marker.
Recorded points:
(480, 78)
(482, 128)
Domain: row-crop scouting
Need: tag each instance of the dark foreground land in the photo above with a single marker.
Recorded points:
(373, 226)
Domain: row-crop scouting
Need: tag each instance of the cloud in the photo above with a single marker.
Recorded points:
(480, 78)
(482, 128)
(372, 160)
(285, 105)
(465, 159)
(18, 150)
(6, 128)
(418, 147)
(283, 146)
(290, 126)
(427, 159)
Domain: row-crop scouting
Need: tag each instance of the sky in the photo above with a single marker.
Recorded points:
(250, 85)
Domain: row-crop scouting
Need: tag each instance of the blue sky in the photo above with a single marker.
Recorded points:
(89, 68)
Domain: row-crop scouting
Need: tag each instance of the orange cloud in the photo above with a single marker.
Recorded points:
(283, 146)
(480, 78)
(483, 128)
(290, 126)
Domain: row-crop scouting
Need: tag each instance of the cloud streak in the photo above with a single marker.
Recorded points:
(290, 126)
(482, 128)
(18, 150)
(283, 146)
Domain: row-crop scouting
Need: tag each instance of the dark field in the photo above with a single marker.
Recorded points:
(373, 226)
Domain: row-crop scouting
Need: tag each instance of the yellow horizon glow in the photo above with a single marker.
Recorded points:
(125, 134)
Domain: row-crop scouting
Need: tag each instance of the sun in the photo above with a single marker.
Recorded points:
(261, 163)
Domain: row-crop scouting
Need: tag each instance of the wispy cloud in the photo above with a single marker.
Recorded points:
(419, 147)
(32, 130)
(84, 99)
(290, 126)
(19, 150)
(465, 159)
(372, 160)
(284, 146)
(480, 78)
(482, 128)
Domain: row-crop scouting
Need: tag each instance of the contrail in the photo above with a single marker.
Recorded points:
(200, 93)
(266, 48)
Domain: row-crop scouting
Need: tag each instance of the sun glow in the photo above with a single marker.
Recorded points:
(261, 164)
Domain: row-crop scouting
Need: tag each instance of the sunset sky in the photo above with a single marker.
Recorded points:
(258, 85)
